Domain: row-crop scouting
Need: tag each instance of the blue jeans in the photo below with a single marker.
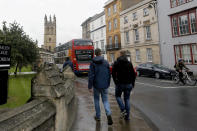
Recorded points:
(104, 96)
(126, 89)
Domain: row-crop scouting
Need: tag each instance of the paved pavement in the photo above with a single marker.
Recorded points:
(86, 112)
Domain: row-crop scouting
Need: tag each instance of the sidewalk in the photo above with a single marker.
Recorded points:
(85, 116)
(23, 73)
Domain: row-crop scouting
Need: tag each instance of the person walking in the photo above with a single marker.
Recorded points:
(98, 82)
(124, 78)
(67, 62)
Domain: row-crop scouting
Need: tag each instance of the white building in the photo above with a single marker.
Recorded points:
(139, 33)
(98, 32)
(178, 32)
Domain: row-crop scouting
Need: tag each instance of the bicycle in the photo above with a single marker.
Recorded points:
(188, 78)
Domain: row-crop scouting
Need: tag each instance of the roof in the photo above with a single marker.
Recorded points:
(87, 20)
(97, 16)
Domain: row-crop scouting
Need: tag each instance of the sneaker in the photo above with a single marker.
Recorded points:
(97, 119)
(123, 114)
(109, 119)
(126, 118)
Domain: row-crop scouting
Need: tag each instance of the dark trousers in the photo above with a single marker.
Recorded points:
(126, 90)
(181, 77)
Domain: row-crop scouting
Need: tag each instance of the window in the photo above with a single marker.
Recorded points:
(127, 37)
(102, 46)
(175, 3)
(116, 41)
(184, 23)
(115, 23)
(193, 26)
(125, 20)
(92, 36)
(109, 24)
(92, 26)
(137, 55)
(194, 52)
(109, 11)
(149, 55)
(135, 16)
(146, 11)
(174, 26)
(115, 8)
(101, 20)
(148, 32)
(136, 33)
(110, 42)
(97, 46)
(188, 52)
(49, 39)
(180, 2)
(102, 32)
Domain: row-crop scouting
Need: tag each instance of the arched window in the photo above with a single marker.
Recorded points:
(49, 48)
(51, 30)
(49, 39)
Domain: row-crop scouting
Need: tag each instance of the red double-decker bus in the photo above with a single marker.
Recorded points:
(80, 52)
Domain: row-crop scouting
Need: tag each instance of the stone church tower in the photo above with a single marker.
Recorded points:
(50, 33)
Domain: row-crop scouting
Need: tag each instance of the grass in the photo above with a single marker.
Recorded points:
(24, 69)
(19, 91)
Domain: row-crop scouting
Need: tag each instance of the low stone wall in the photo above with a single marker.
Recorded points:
(54, 104)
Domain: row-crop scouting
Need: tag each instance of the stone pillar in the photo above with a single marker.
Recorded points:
(59, 89)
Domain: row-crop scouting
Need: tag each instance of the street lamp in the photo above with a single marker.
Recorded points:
(153, 4)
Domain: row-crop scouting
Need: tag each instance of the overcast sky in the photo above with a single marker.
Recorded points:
(69, 15)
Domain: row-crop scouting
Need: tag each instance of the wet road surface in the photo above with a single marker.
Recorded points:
(85, 115)
(171, 107)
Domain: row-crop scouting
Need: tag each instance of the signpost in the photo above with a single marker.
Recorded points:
(5, 60)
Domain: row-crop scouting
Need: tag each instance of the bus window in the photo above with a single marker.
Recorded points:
(82, 43)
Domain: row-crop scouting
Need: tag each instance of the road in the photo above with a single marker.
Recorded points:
(171, 107)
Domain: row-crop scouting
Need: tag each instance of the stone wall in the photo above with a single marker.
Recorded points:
(53, 104)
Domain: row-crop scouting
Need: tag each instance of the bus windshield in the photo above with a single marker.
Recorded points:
(84, 55)
(82, 43)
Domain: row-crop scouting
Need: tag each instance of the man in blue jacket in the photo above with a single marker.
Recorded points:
(99, 81)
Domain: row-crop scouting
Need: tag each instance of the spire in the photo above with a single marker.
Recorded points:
(54, 19)
(50, 19)
(45, 19)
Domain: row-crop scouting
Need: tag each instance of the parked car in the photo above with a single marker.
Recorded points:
(156, 70)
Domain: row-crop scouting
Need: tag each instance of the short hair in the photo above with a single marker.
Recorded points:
(97, 51)
(67, 59)
(123, 53)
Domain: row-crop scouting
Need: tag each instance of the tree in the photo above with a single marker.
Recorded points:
(24, 50)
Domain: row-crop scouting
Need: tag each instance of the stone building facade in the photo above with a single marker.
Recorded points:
(139, 33)
(112, 18)
(45, 56)
(178, 31)
(86, 28)
(98, 32)
(49, 33)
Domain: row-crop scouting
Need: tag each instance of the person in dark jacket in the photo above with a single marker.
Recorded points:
(124, 78)
(99, 80)
(67, 62)
(179, 68)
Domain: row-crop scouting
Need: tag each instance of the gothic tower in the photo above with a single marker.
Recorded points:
(50, 33)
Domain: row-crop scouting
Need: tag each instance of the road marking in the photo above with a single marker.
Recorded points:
(165, 87)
